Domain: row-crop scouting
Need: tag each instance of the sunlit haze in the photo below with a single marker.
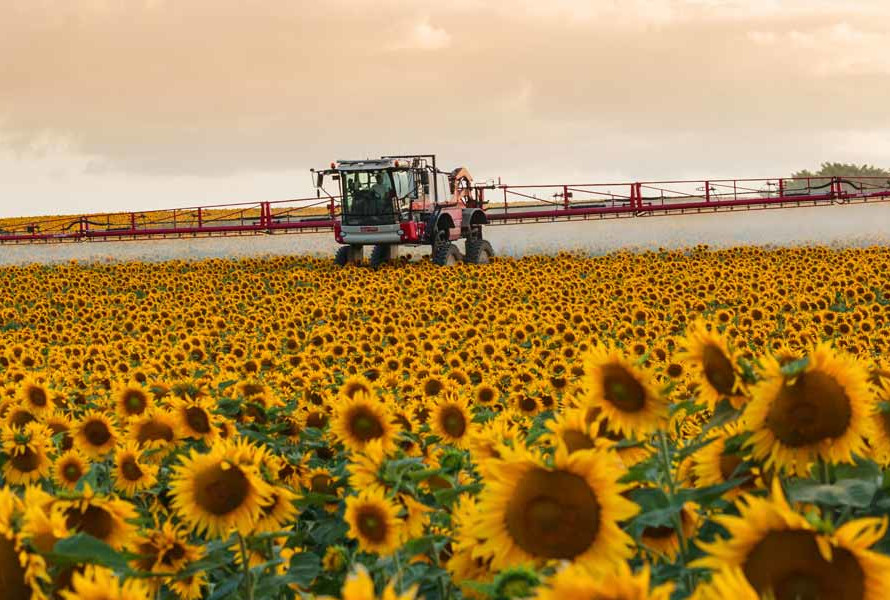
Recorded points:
(118, 105)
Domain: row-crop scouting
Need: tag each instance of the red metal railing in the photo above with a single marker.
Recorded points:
(508, 205)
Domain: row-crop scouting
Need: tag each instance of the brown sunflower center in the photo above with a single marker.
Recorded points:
(453, 421)
(718, 370)
(96, 433)
(152, 431)
(432, 387)
(353, 387)
(174, 554)
(219, 491)
(364, 424)
(372, 523)
(789, 564)
(72, 472)
(130, 469)
(20, 418)
(576, 440)
(622, 390)
(37, 396)
(322, 484)
(813, 408)
(135, 402)
(316, 419)
(25, 462)
(485, 395)
(12, 574)
(197, 419)
(94, 521)
(553, 514)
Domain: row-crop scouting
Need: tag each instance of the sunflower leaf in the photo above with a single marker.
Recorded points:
(846, 492)
(83, 548)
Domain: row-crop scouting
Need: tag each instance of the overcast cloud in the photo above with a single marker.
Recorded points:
(155, 103)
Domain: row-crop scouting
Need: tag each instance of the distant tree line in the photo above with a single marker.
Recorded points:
(821, 179)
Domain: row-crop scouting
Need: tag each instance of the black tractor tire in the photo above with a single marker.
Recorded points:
(348, 254)
(446, 254)
(342, 256)
(479, 252)
(382, 254)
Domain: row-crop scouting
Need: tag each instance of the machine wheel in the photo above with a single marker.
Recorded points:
(479, 252)
(446, 254)
(348, 254)
(381, 254)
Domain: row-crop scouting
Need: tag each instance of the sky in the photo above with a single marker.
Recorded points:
(142, 104)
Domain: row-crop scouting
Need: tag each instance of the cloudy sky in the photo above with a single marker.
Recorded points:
(134, 104)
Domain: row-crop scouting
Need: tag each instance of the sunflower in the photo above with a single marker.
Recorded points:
(131, 475)
(131, 399)
(356, 384)
(189, 587)
(570, 429)
(363, 418)
(60, 424)
(575, 582)
(374, 521)
(781, 554)
(21, 572)
(34, 396)
(100, 583)
(155, 429)
(365, 467)
(710, 357)
(166, 550)
(70, 468)
(105, 518)
(95, 434)
(194, 418)
(278, 511)
(220, 491)
(529, 512)
(623, 393)
(43, 526)
(485, 394)
(715, 463)
(663, 541)
(28, 450)
(360, 586)
(451, 420)
(818, 410)
(879, 435)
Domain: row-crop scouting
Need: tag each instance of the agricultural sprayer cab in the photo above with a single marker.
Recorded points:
(406, 200)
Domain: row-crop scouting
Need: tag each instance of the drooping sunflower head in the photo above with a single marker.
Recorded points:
(530, 512)
(623, 392)
(814, 408)
(220, 491)
(361, 419)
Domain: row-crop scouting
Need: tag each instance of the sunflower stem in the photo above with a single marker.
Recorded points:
(245, 563)
(676, 518)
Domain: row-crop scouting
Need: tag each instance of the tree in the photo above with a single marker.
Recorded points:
(836, 169)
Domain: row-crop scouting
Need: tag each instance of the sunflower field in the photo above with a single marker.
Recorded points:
(672, 424)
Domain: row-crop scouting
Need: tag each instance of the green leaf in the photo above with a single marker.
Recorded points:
(83, 548)
(305, 567)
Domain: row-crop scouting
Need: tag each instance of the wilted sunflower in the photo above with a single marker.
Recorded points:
(374, 521)
(451, 420)
(623, 393)
(529, 512)
(783, 556)
(131, 474)
(711, 359)
(27, 449)
(95, 434)
(70, 468)
(221, 490)
(575, 582)
(819, 409)
(100, 583)
(363, 418)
